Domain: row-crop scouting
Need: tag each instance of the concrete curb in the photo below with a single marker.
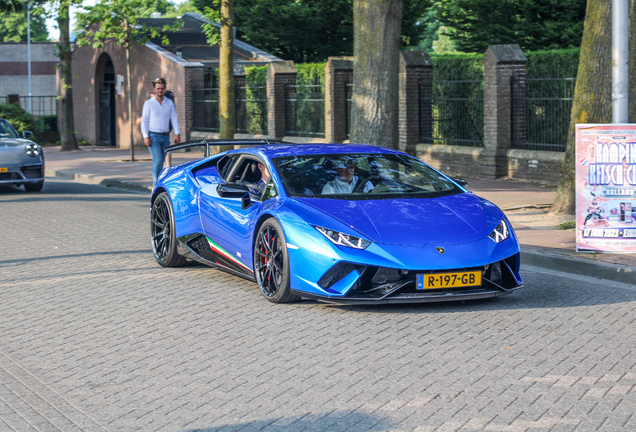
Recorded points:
(575, 265)
(97, 180)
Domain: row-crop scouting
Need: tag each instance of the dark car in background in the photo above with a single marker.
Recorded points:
(21, 160)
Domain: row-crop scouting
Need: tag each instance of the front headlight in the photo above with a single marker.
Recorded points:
(33, 150)
(342, 239)
(500, 233)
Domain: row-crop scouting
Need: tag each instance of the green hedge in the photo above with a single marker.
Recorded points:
(20, 119)
(458, 66)
(562, 63)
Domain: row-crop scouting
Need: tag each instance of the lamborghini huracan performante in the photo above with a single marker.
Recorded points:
(340, 223)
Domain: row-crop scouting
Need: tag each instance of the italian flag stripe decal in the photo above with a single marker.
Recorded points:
(220, 250)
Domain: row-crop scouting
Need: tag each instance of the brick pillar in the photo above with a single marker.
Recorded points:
(279, 74)
(193, 79)
(500, 62)
(416, 72)
(338, 73)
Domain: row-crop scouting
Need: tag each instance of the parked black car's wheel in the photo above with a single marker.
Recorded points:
(164, 242)
(34, 187)
(271, 263)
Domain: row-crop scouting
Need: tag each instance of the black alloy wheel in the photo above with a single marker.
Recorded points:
(164, 242)
(271, 263)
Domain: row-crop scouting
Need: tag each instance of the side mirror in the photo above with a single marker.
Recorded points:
(235, 190)
(232, 190)
(27, 134)
(461, 182)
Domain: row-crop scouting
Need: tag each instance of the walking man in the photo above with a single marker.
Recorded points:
(157, 114)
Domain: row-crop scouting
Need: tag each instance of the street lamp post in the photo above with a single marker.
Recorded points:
(620, 55)
(29, 54)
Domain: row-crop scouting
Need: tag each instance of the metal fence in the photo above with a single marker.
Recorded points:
(452, 112)
(205, 109)
(305, 110)
(251, 110)
(541, 112)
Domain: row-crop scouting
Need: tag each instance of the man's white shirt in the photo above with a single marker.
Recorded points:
(156, 117)
(338, 186)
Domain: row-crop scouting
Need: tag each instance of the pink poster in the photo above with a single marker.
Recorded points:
(606, 188)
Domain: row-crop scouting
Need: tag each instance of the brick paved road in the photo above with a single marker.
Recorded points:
(95, 336)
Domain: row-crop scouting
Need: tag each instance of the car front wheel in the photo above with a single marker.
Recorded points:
(271, 263)
(164, 241)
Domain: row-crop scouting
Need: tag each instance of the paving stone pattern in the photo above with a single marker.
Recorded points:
(95, 336)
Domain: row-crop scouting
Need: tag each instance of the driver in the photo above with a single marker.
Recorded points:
(346, 180)
(257, 189)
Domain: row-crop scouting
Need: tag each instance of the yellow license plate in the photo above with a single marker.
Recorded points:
(4, 169)
(448, 280)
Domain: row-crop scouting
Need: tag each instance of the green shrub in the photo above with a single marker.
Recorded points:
(458, 66)
(20, 119)
(558, 63)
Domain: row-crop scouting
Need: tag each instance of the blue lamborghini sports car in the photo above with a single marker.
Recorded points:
(339, 223)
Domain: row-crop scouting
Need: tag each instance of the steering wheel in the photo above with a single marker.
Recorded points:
(363, 181)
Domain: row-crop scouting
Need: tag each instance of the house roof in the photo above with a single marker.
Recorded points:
(190, 43)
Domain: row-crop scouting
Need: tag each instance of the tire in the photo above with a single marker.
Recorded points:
(34, 187)
(164, 241)
(271, 263)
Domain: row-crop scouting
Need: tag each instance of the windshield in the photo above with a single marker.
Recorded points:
(6, 131)
(361, 176)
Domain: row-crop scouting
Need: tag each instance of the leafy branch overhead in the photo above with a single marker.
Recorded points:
(213, 15)
(119, 20)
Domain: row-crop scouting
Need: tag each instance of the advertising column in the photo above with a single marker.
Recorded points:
(606, 188)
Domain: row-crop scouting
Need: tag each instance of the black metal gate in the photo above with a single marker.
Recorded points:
(452, 112)
(540, 112)
(107, 115)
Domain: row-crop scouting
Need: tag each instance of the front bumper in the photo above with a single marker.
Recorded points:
(21, 174)
(377, 285)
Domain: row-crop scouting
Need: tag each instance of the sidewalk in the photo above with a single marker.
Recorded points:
(525, 204)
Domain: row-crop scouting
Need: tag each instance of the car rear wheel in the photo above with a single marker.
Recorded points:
(271, 263)
(164, 241)
(34, 187)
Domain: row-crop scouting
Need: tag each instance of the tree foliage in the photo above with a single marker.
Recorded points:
(533, 24)
(10, 5)
(307, 31)
(13, 26)
(144, 8)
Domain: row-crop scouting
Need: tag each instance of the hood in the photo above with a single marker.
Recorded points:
(13, 151)
(415, 222)
(14, 142)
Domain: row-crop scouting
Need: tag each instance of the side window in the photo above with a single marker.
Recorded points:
(225, 164)
(270, 191)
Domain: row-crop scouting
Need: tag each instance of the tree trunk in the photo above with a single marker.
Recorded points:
(130, 97)
(227, 110)
(65, 120)
(376, 48)
(592, 94)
